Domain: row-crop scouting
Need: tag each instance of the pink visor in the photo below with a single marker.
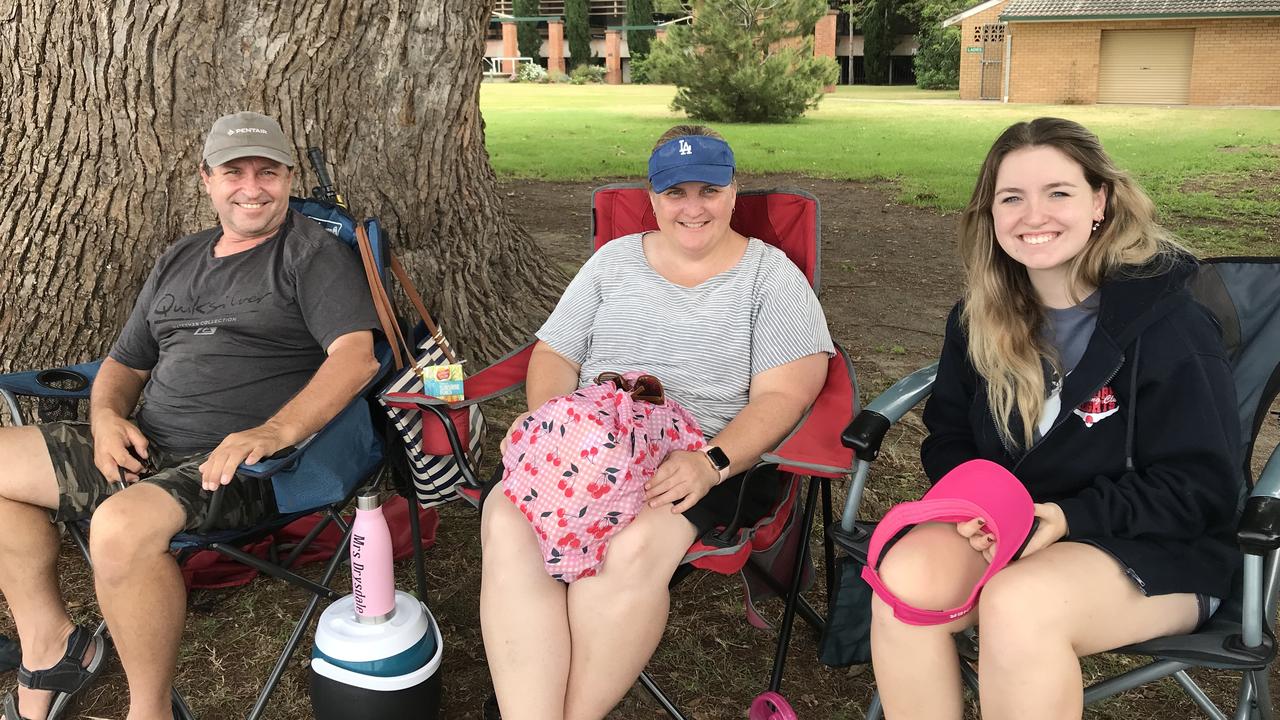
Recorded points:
(977, 488)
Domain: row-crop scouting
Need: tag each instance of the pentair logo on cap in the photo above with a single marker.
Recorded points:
(238, 131)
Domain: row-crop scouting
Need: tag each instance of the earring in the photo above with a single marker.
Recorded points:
(1097, 224)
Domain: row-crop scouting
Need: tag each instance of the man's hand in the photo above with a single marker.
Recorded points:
(249, 446)
(683, 478)
(118, 444)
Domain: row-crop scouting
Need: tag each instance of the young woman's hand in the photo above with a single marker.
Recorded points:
(1052, 528)
(979, 539)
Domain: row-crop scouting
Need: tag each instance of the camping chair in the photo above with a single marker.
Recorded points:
(319, 475)
(1243, 295)
(773, 557)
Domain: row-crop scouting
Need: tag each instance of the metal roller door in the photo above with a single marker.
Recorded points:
(1145, 66)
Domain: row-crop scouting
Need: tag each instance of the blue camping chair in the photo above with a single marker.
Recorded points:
(319, 475)
(1243, 295)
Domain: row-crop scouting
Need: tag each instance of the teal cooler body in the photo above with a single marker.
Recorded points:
(385, 670)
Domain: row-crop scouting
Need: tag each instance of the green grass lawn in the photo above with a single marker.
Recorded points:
(1213, 172)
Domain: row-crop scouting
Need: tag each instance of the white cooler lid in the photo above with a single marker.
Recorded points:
(342, 638)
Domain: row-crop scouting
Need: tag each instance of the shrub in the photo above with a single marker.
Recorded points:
(530, 72)
(584, 74)
(744, 61)
(937, 62)
(639, 70)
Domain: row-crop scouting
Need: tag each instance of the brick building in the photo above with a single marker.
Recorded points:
(834, 37)
(1167, 52)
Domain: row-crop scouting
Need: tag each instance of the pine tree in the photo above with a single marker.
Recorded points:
(528, 38)
(745, 61)
(639, 12)
(877, 40)
(577, 30)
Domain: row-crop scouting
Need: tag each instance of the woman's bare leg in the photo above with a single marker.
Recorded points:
(523, 617)
(1042, 613)
(916, 667)
(617, 617)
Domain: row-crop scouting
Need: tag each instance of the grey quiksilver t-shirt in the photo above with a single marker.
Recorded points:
(229, 340)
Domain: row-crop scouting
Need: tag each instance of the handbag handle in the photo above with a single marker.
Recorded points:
(401, 351)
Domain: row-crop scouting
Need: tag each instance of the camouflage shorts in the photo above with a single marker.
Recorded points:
(82, 487)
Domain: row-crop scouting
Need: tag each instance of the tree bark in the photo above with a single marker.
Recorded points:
(106, 105)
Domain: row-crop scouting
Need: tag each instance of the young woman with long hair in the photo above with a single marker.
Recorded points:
(1078, 360)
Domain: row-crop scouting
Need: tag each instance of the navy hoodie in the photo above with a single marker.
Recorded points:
(1170, 520)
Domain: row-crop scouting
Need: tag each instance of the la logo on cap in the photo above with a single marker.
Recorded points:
(685, 148)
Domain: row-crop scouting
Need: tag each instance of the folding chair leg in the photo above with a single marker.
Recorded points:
(306, 541)
(1262, 693)
(77, 535)
(181, 711)
(828, 543)
(874, 710)
(793, 593)
(304, 622)
(646, 680)
(419, 569)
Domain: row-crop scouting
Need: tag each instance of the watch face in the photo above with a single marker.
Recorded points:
(718, 458)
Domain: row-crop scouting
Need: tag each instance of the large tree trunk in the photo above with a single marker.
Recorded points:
(105, 106)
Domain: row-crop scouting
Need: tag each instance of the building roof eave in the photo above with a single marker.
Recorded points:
(1136, 16)
(970, 12)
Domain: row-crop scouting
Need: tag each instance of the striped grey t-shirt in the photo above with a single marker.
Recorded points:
(705, 343)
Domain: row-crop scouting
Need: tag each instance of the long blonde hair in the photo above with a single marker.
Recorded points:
(1002, 312)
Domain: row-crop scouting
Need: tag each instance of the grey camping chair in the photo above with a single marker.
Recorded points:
(1244, 296)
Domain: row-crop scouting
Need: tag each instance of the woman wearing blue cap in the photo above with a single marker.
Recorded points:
(736, 335)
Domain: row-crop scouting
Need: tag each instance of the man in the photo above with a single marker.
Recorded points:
(245, 339)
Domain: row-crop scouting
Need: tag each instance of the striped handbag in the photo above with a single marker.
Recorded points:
(431, 462)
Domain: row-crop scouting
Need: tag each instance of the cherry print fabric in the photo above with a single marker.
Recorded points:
(576, 467)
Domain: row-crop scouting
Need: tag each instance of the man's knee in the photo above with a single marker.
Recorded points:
(126, 530)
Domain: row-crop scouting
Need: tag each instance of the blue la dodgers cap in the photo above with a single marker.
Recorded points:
(691, 158)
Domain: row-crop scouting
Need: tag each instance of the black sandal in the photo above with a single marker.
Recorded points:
(67, 676)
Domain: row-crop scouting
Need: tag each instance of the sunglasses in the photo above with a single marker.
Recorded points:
(645, 387)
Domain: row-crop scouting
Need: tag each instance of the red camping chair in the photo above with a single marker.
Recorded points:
(773, 556)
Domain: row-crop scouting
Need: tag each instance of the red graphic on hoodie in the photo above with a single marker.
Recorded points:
(1103, 404)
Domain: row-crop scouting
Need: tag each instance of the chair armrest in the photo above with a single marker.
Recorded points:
(812, 447)
(503, 376)
(282, 459)
(868, 429)
(71, 382)
(1259, 530)
(440, 410)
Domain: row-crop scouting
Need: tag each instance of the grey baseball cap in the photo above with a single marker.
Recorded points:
(246, 134)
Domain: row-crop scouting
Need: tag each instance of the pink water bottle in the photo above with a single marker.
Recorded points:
(372, 582)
